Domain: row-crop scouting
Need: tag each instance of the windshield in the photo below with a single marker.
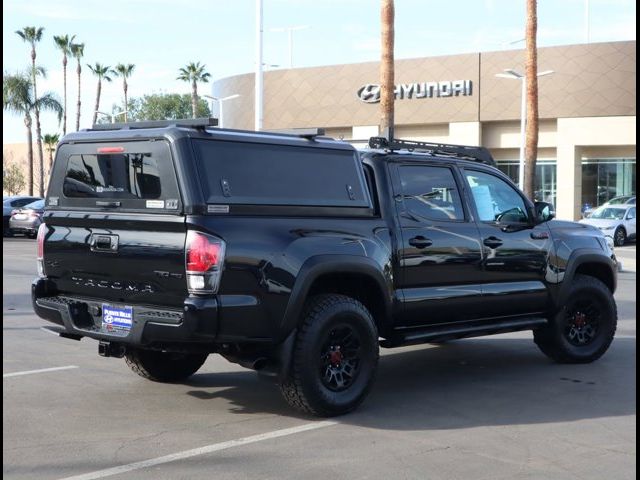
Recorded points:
(609, 213)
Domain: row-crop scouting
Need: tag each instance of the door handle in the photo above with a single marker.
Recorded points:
(420, 242)
(539, 235)
(492, 242)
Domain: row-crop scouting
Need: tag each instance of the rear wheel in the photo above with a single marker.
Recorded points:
(583, 329)
(620, 237)
(164, 366)
(335, 357)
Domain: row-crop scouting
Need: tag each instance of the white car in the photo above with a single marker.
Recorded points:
(616, 221)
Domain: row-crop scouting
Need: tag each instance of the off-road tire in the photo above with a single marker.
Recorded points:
(306, 387)
(554, 339)
(164, 366)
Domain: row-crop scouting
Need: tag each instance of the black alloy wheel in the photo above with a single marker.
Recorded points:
(620, 237)
(340, 358)
(583, 322)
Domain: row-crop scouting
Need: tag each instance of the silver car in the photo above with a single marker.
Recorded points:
(9, 204)
(27, 219)
(616, 221)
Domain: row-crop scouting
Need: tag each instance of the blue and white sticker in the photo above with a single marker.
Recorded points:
(117, 318)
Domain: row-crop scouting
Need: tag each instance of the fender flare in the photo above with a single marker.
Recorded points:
(316, 266)
(580, 257)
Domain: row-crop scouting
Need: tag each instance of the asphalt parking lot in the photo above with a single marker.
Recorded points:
(487, 408)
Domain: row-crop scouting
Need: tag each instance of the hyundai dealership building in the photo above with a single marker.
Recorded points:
(587, 142)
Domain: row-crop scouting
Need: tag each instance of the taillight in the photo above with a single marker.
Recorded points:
(42, 230)
(204, 258)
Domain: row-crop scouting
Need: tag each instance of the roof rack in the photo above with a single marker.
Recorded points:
(465, 152)
(308, 133)
(195, 123)
(203, 124)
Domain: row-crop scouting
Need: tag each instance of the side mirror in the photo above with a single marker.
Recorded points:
(544, 212)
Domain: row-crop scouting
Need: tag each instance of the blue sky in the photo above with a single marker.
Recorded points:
(160, 36)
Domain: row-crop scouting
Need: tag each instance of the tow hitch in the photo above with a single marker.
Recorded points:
(108, 349)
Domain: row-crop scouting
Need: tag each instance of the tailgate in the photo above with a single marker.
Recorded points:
(115, 229)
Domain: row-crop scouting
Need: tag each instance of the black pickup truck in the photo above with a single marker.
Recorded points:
(298, 255)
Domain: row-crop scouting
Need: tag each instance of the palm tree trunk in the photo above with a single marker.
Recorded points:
(27, 123)
(387, 73)
(40, 155)
(38, 129)
(194, 98)
(50, 159)
(64, 76)
(531, 68)
(79, 72)
(95, 110)
(126, 100)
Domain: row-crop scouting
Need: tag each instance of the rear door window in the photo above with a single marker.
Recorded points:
(431, 193)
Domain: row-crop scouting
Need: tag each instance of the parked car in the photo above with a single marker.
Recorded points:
(27, 219)
(299, 256)
(616, 221)
(11, 203)
(622, 200)
(587, 209)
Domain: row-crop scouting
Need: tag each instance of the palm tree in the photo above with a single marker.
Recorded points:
(51, 141)
(531, 72)
(63, 43)
(387, 71)
(102, 72)
(125, 72)
(77, 50)
(194, 73)
(32, 35)
(18, 97)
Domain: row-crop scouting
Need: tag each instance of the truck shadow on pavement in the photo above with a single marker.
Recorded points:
(463, 384)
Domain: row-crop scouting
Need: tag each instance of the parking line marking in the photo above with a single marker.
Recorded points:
(215, 447)
(42, 370)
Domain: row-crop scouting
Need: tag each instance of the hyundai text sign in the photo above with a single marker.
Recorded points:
(370, 93)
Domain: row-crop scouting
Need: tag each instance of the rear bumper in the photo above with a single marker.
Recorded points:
(24, 226)
(195, 323)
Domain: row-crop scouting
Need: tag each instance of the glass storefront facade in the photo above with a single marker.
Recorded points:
(605, 178)
(545, 184)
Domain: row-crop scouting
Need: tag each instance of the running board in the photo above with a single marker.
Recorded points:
(437, 333)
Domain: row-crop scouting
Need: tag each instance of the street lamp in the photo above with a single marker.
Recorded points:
(112, 115)
(220, 103)
(290, 31)
(513, 75)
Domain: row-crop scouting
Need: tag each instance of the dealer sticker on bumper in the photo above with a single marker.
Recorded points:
(116, 318)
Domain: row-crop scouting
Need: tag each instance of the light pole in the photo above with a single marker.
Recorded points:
(112, 115)
(513, 75)
(258, 105)
(220, 103)
(290, 31)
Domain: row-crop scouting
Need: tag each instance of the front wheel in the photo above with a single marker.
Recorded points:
(620, 237)
(334, 359)
(164, 366)
(583, 329)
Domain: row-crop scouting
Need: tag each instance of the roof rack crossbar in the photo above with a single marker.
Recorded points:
(308, 133)
(476, 154)
(195, 123)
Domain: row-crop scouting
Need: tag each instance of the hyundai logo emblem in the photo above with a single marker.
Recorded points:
(369, 93)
